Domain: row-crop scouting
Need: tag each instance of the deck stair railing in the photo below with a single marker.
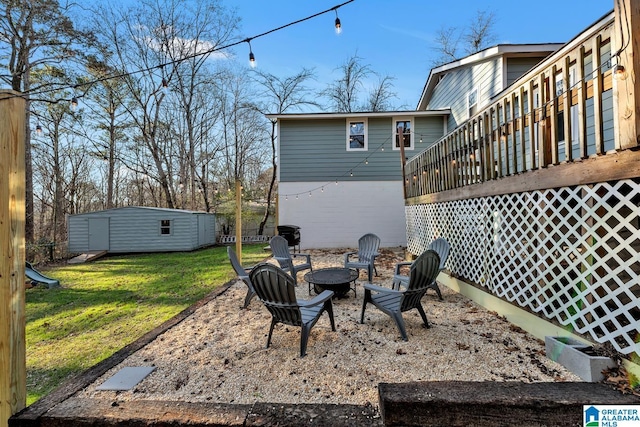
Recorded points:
(539, 195)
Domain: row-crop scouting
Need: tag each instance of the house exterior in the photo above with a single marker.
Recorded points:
(467, 85)
(140, 229)
(359, 151)
(340, 175)
(538, 190)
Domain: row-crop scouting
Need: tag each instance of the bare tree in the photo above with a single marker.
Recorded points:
(34, 33)
(380, 96)
(452, 43)
(345, 93)
(480, 32)
(280, 96)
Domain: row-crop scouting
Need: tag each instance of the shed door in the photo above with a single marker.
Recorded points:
(99, 234)
(203, 230)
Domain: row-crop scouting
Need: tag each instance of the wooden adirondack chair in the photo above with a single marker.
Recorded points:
(276, 289)
(396, 301)
(368, 246)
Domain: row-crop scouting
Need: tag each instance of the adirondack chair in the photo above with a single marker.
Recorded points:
(396, 301)
(243, 274)
(442, 247)
(276, 289)
(367, 252)
(280, 250)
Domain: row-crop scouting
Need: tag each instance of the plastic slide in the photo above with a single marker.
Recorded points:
(37, 277)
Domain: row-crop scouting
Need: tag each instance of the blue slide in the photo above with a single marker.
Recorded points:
(37, 277)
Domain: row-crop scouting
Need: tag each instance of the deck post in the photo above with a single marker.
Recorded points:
(239, 220)
(13, 389)
(626, 84)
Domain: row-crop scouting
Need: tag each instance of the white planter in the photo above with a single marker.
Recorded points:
(577, 357)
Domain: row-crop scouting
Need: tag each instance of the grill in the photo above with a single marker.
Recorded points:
(292, 234)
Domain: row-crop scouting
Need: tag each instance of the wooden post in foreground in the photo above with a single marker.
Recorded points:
(13, 388)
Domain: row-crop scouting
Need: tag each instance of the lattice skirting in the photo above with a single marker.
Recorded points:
(571, 254)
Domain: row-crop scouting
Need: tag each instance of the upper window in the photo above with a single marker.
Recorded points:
(357, 135)
(472, 102)
(165, 226)
(406, 131)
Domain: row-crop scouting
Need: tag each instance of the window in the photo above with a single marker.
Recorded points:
(357, 135)
(407, 137)
(472, 102)
(165, 226)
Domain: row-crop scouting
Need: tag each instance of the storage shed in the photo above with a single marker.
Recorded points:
(140, 229)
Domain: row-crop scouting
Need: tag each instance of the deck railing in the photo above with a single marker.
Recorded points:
(539, 193)
(560, 111)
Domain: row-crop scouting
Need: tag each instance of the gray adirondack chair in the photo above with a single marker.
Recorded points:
(287, 260)
(243, 274)
(442, 248)
(276, 289)
(367, 252)
(396, 301)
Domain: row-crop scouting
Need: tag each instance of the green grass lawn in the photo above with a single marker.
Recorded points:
(104, 305)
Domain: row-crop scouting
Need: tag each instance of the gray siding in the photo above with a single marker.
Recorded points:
(315, 150)
(135, 229)
(517, 67)
(451, 91)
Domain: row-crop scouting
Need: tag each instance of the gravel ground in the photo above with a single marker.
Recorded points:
(218, 354)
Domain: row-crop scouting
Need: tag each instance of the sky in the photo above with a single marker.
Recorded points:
(394, 37)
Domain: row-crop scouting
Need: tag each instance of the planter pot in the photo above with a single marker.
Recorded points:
(577, 357)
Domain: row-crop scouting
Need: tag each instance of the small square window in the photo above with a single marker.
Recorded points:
(407, 134)
(356, 135)
(165, 226)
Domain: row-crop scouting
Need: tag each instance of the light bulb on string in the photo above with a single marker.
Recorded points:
(296, 197)
(252, 57)
(322, 190)
(338, 24)
(309, 193)
(38, 129)
(366, 161)
(350, 173)
(74, 103)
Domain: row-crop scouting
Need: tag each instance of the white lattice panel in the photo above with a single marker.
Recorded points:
(570, 254)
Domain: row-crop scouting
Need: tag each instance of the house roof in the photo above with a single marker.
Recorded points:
(505, 50)
(382, 114)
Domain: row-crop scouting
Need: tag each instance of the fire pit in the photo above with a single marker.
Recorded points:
(336, 279)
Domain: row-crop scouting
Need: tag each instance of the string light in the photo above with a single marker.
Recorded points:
(338, 24)
(165, 84)
(252, 58)
(74, 103)
(179, 60)
(38, 129)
